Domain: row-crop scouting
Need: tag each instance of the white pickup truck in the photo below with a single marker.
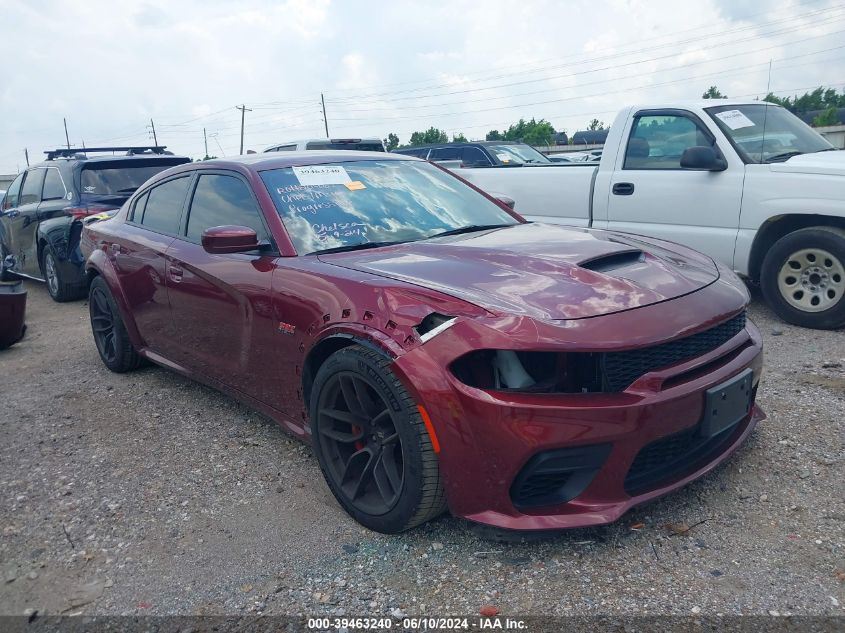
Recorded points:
(746, 182)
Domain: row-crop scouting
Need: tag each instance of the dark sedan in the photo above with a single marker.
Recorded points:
(435, 349)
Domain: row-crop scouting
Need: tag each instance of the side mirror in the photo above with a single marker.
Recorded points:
(219, 240)
(509, 202)
(702, 157)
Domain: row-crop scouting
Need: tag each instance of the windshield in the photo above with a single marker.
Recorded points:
(784, 136)
(112, 180)
(517, 154)
(355, 203)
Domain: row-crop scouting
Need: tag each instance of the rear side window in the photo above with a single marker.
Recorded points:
(32, 184)
(163, 210)
(446, 153)
(12, 195)
(110, 179)
(282, 148)
(358, 146)
(54, 187)
(220, 200)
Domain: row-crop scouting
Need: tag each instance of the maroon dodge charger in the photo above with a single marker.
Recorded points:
(437, 350)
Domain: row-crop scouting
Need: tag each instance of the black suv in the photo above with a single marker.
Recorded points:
(42, 212)
(479, 154)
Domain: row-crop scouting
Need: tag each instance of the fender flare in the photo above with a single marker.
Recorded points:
(99, 264)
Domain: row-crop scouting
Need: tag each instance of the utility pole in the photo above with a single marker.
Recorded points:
(153, 127)
(205, 140)
(67, 138)
(26, 154)
(325, 120)
(243, 110)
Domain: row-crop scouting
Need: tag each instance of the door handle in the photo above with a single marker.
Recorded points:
(12, 213)
(176, 273)
(623, 188)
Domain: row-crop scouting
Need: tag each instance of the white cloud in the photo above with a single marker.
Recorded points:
(384, 66)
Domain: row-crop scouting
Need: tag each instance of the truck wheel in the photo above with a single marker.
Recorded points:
(803, 277)
(372, 445)
(58, 288)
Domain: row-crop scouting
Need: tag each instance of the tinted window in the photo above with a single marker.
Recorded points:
(351, 203)
(11, 199)
(164, 206)
(54, 188)
(124, 179)
(474, 156)
(220, 200)
(446, 153)
(138, 208)
(363, 146)
(282, 148)
(657, 142)
(32, 184)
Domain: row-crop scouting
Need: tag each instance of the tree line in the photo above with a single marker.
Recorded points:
(542, 132)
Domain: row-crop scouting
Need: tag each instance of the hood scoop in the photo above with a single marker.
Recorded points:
(613, 261)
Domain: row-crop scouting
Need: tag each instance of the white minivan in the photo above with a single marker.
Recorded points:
(358, 144)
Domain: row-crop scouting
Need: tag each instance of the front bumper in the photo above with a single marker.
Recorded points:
(488, 438)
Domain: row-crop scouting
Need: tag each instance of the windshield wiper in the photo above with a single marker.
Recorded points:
(779, 158)
(471, 228)
(355, 247)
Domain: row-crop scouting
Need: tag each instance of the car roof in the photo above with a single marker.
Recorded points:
(467, 144)
(362, 139)
(278, 160)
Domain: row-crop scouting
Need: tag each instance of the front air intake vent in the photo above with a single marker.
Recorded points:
(613, 261)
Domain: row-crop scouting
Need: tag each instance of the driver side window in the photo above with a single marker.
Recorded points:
(657, 142)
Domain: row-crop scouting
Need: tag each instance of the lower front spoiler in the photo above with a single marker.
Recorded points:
(601, 514)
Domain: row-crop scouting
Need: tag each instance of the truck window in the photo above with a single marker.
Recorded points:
(657, 142)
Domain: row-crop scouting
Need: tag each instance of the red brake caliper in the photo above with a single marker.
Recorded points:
(360, 443)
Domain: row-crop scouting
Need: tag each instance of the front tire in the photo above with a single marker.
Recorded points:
(803, 277)
(372, 444)
(112, 340)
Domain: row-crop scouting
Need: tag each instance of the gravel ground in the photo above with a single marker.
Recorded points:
(146, 493)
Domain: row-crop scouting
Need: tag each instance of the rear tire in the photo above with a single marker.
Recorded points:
(803, 277)
(372, 445)
(113, 344)
(57, 286)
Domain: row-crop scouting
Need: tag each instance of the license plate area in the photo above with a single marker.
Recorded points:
(727, 404)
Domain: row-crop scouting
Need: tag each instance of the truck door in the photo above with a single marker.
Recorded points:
(651, 194)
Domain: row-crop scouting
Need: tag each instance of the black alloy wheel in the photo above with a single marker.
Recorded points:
(102, 324)
(363, 449)
(112, 340)
(372, 444)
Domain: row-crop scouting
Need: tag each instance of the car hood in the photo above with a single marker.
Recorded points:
(543, 271)
(831, 163)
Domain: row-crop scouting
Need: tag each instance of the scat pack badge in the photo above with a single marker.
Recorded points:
(286, 328)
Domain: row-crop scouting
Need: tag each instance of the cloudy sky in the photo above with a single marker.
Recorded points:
(109, 66)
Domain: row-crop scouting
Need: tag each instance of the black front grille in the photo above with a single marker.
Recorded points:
(620, 369)
(675, 454)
